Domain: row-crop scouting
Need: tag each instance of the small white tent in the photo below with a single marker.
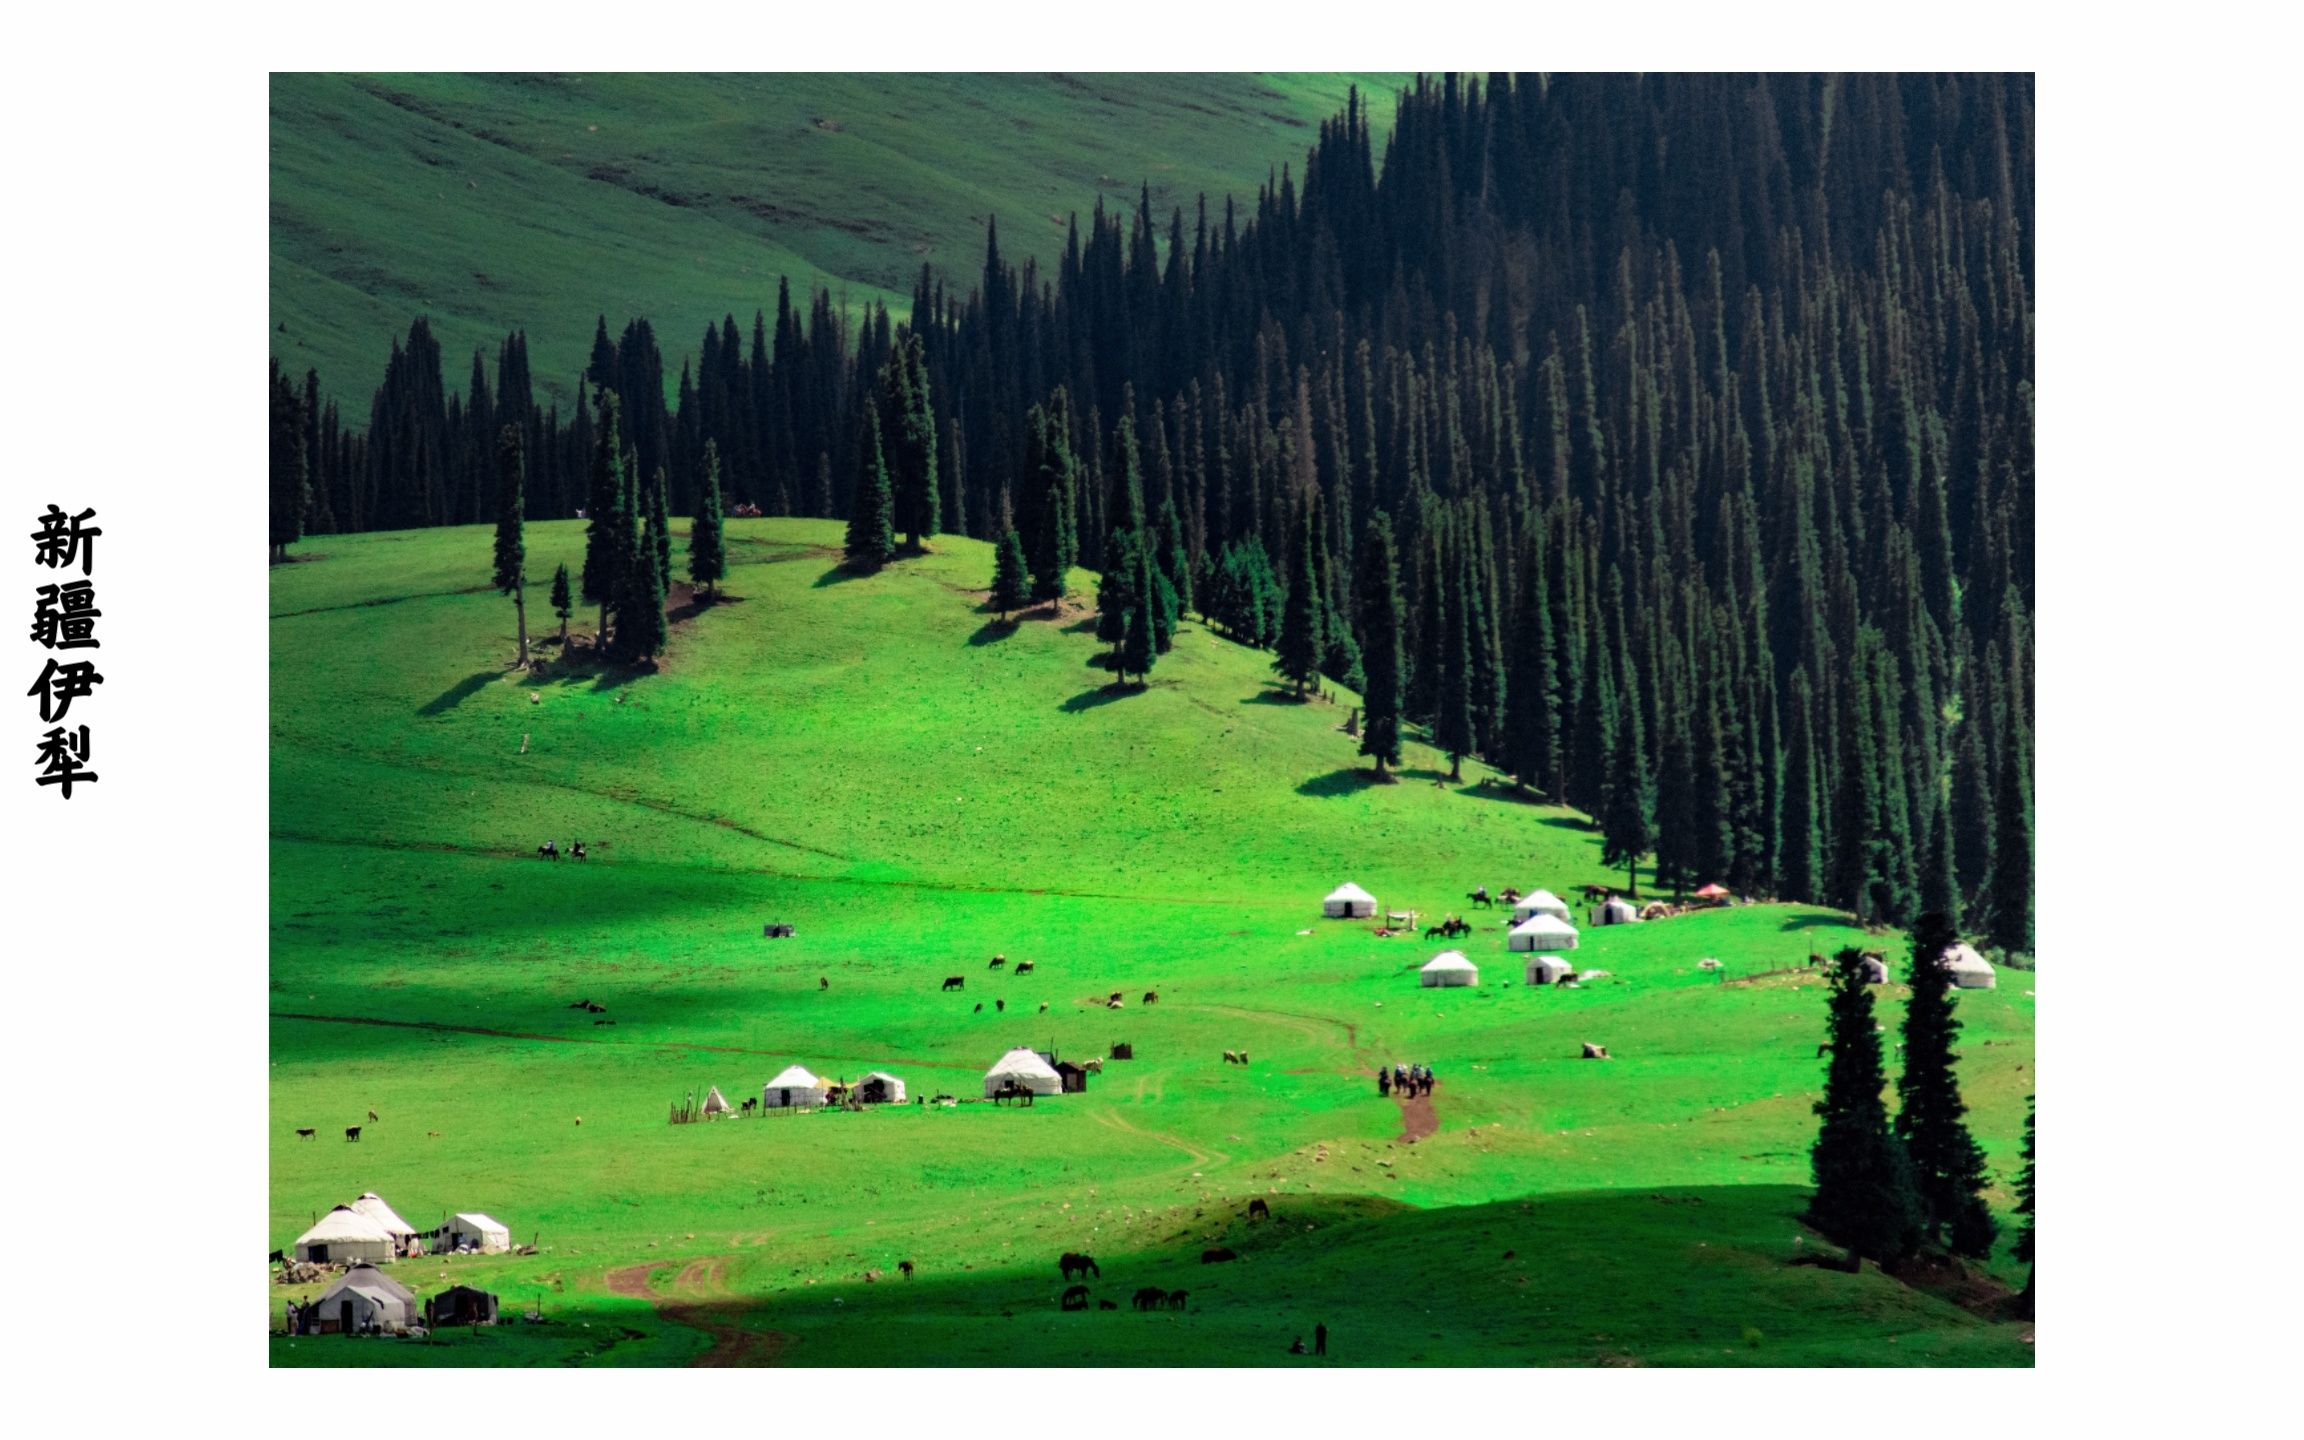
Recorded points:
(345, 1236)
(1544, 969)
(1540, 902)
(403, 1234)
(1025, 1070)
(1450, 968)
(1542, 932)
(482, 1233)
(1348, 902)
(364, 1298)
(1616, 910)
(716, 1103)
(1970, 971)
(793, 1089)
(879, 1088)
(1875, 970)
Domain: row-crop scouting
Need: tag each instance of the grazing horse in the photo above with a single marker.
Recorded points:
(955, 982)
(1151, 997)
(1073, 1264)
(750, 1104)
(1231, 1057)
(1176, 1299)
(1024, 967)
(371, 1117)
(306, 1133)
(351, 1132)
(904, 1268)
(1217, 1256)
(997, 962)
(1075, 1298)
(1150, 1296)
(1257, 1207)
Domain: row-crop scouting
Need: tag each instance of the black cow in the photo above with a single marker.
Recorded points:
(955, 982)
(351, 1132)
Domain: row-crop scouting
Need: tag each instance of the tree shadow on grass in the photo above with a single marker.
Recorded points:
(1819, 920)
(1571, 822)
(458, 693)
(1085, 626)
(1341, 782)
(1275, 695)
(1101, 695)
(992, 631)
(841, 574)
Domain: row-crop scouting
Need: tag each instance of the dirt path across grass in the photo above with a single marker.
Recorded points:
(1417, 1117)
(700, 1301)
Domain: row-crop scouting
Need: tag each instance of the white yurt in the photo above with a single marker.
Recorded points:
(1026, 1070)
(1542, 932)
(1546, 969)
(1616, 910)
(1875, 970)
(1450, 968)
(1540, 902)
(793, 1089)
(1348, 902)
(483, 1234)
(716, 1103)
(364, 1298)
(345, 1236)
(403, 1234)
(1970, 971)
(878, 1088)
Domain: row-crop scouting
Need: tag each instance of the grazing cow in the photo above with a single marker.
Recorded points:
(1075, 1298)
(997, 962)
(306, 1133)
(904, 1268)
(351, 1132)
(278, 1258)
(1243, 1057)
(1024, 967)
(1217, 1256)
(750, 1104)
(1176, 1299)
(1231, 1057)
(1001, 1006)
(955, 982)
(1151, 997)
(1257, 1207)
(823, 982)
(371, 1117)
(1094, 1066)
(1150, 1296)
(1072, 1264)
(1106, 1305)
(1115, 995)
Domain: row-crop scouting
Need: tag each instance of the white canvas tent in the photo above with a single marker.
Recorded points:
(1616, 910)
(878, 1088)
(716, 1103)
(793, 1089)
(1547, 969)
(345, 1236)
(1540, 902)
(1875, 970)
(1542, 932)
(486, 1235)
(403, 1234)
(1026, 1070)
(1450, 968)
(1348, 902)
(363, 1298)
(1970, 971)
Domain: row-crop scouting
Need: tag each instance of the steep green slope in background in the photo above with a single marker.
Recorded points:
(495, 202)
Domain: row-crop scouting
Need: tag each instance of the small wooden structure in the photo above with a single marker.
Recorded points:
(460, 1305)
(1075, 1077)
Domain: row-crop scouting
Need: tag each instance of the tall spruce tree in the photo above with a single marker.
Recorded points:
(1864, 1198)
(659, 528)
(640, 625)
(871, 520)
(707, 549)
(291, 475)
(1947, 1164)
(1298, 659)
(2009, 922)
(563, 603)
(1140, 645)
(1053, 512)
(2024, 1182)
(1116, 595)
(1380, 614)
(1011, 584)
(511, 522)
(607, 513)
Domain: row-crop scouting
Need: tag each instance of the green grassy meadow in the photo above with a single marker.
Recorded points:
(916, 787)
(494, 202)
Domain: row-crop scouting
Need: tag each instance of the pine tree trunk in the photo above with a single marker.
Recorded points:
(1456, 768)
(520, 609)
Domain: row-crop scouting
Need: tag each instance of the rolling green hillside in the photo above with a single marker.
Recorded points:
(916, 788)
(542, 201)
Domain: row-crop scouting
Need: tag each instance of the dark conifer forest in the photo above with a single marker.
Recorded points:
(1690, 418)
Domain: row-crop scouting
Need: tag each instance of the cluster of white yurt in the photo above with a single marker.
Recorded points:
(1022, 1069)
(878, 1087)
(1616, 910)
(1348, 902)
(364, 1299)
(1542, 931)
(1449, 968)
(794, 1088)
(472, 1231)
(1540, 902)
(1547, 968)
(345, 1236)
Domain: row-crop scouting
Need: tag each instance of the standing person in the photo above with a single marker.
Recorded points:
(1383, 1081)
(1320, 1338)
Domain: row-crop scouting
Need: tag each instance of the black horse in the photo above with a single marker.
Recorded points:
(1072, 1264)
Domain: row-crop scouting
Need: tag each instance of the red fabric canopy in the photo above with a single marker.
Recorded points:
(1710, 892)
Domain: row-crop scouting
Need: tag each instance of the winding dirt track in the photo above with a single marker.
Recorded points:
(1418, 1117)
(701, 1302)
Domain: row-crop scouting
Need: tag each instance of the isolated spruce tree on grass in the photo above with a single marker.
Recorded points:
(1379, 590)
(511, 542)
(707, 551)
(2024, 1208)
(1864, 1194)
(1011, 585)
(871, 522)
(563, 604)
(1140, 644)
(1947, 1164)
(1116, 589)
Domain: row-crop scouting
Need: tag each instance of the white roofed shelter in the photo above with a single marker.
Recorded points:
(344, 1236)
(1542, 932)
(1450, 968)
(1969, 970)
(363, 1299)
(403, 1234)
(485, 1235)
(1024, 1070)
(1348, 902)
(793, 1088)
(878, 1088)
(1875, 970)
(716, 1103)
(1547, 969)
(1540, 902)
(1616, 910)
